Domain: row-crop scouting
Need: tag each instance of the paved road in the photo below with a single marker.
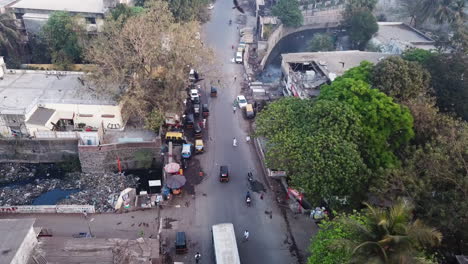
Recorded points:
(216, 202)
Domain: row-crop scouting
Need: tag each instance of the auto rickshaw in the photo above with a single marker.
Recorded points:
(180, 243)
(199, 147)
(223, 173)
(205, 110)
(214, 91)
(197, 131)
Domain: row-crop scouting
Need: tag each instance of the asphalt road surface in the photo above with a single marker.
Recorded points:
(269, 241)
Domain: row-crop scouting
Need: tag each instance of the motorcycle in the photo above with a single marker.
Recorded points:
(248, 200)
(250, 176)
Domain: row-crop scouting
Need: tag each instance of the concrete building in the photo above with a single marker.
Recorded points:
(35, 102)
(396, 37)
(33, 14)
(17, 241)
(304, 73)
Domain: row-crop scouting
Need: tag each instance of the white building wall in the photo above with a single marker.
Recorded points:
(24, 251)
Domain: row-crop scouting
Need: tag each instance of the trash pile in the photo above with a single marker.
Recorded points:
(21, 184)
(100, 190)
(11, 172)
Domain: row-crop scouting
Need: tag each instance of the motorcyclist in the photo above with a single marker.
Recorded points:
(230, 21)
(248, 199)
(234, 142)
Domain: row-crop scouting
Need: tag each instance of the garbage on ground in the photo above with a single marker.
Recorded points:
(21, 185)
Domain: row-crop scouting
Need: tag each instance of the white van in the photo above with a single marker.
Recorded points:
(239, 57)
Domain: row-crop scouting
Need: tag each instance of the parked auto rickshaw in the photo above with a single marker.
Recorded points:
(180, 243)
(249, 112)
(199, 147)
(214, 91)
(205, 110)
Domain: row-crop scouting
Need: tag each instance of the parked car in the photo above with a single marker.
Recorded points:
(194, 95)
(82, 235)
(196, 109)
(205, 110)
(186, 151)
(189, 120)
(181, 243)
(197, 131)
(241, 101)
(214, 91)
(223, 173)
(239, 57)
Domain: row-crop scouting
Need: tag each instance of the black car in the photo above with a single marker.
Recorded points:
(197, 131)
(189, 120)
(223, 173)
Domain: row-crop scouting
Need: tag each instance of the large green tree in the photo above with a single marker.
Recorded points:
(288, 12)
(387, 126)
(187, 10)
(362, 26)
(403, 80)
(315, 144)
(61, 33)
(450, 82)
(390, 236)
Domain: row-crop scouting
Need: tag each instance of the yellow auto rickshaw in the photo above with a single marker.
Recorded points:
(199, 147)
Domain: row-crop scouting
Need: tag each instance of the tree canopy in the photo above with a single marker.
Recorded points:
(386, 125)
(362, 26)
(403, 80)
(188, 10)
(288, 12)
(61, 33)
(321, 42)
(315, 144)
(145, 63)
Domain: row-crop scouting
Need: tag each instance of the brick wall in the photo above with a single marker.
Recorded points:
(131, 155)
(37, 150)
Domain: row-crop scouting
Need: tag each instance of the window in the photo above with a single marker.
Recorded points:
(86, 115)
(108, 116)
(91, 20)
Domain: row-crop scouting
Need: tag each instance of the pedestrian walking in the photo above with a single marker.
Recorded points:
(246, 235)
(261, 196)
(234, 109)
(247, 138)
(234, 142)
(235, 77)
(197, 257)
(232, 46)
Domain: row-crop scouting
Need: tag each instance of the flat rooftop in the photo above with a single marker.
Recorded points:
(401, 32)
(20, 90)
(81, 6)
(336, 62)
(13, 233)
(98, 250)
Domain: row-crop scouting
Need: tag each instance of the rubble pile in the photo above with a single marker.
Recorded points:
(21, 184)
(100, 190)
(12, 172)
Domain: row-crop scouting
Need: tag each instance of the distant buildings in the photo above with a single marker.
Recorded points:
(33, 14)
(304, 73)
(396, 37)
(34, 103)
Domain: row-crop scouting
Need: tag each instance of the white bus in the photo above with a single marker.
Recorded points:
(225, 246)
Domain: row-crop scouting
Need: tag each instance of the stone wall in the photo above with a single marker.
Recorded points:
(37, 150)
(134, 155)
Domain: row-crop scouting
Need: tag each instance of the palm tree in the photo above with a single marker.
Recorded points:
(390, 236)
(9, 33)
